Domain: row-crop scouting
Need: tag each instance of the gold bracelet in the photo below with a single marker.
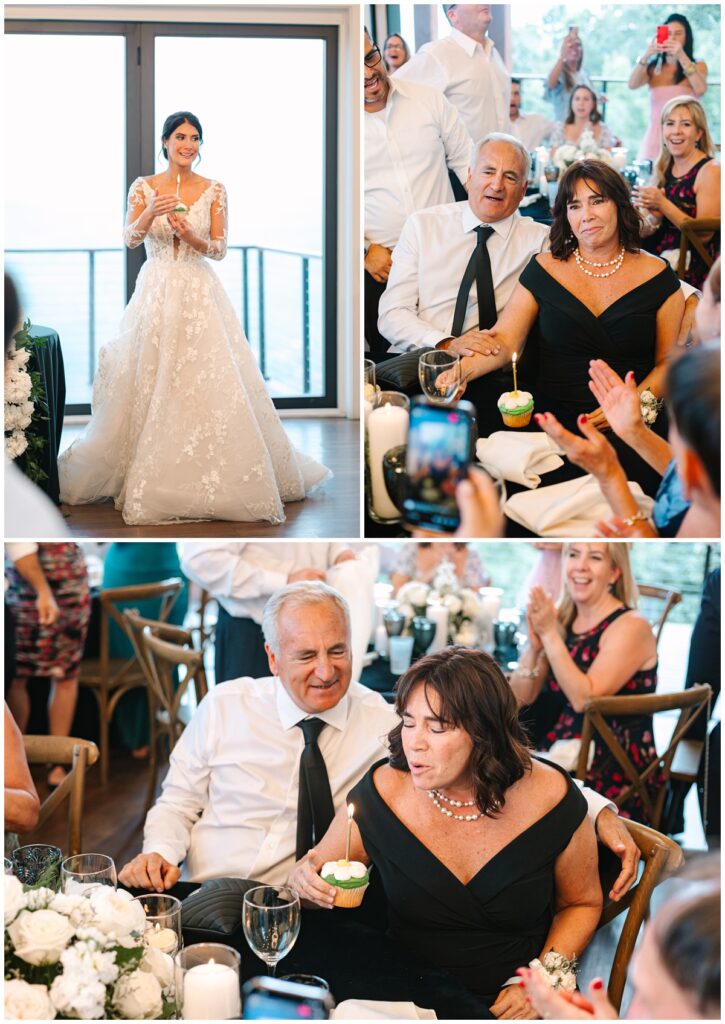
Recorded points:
(691, 70)
(638, 517)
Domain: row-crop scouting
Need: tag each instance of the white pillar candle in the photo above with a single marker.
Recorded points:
(387, 427)
(619, 157)
(381, 640)
(438, 613)
(211, 992)
(164, 939)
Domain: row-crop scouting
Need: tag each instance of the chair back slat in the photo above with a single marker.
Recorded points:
(690, 229)
(656, 595)
(79, 755)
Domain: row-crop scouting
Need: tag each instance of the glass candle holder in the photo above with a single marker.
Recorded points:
(38, 865)
(163, 921)
(82, 874)
(8, 867)
(385, 428)
(207, 982)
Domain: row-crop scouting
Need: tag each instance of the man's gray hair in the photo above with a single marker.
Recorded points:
(512, 141)
(446, 8)
(297, 595)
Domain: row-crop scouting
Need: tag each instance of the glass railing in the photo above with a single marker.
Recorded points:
(276, 294)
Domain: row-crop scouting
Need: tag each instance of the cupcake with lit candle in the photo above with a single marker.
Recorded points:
(516, 408)
(350, 878)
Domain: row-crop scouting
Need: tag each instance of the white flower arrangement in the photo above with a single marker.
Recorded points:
(414, 594)
(464, 604)
(585, 149)
(649, 406)
(82, 958)
(557, 970)
(23, 393)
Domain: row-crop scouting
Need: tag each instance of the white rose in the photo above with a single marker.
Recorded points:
(453, 603)
(76, 908)
(14, 898)
(137, 996)
(471, 603)
(40, 936)
(27, 1002)
(78, 995)
(21, 356)
(160, 964)
(117, 915)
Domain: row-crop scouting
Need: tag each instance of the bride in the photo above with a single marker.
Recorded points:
(182, 425)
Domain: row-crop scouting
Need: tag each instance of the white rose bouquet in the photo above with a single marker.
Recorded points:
(73, 957)
(25, 404)
(415, 595)
(463, 604)
(585, 149)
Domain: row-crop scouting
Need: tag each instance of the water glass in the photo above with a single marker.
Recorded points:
(314, 980)
(207, 982)
(163, 921)
(271, 918)
(401, 652)
(38, 865)
(371, 390)
(431, 369)
(82, 874)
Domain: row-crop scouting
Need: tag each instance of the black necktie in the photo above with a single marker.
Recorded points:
(315, 809)
(479, 267)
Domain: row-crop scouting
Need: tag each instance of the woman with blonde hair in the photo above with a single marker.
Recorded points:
(685, 183)
(593, 644)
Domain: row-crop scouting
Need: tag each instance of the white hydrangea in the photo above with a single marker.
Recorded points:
(79, 995)
(15, 444)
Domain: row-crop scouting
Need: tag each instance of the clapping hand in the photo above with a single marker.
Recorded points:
(161, 204)
(648, 197)
(541, 612)
(593, 453)
(553, 1004)
(618, 399)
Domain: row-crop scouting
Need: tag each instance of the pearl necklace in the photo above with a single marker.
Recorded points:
(437, 796)
(616, 263)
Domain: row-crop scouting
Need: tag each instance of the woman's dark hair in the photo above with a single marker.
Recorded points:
(605, 181)
(406, 51)
(12, 313)
(693, 400)
(594, 117)
(173, 121)
(688, 46)
(689, 941)
(475, 696)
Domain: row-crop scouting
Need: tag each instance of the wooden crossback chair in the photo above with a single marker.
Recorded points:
(692, 703)
(170, 664)
(110, 678)
(661, 856)
(690, 230)
(669, 599)
(79, 755)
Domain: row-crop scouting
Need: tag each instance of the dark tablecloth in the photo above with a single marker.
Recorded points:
(47, 359)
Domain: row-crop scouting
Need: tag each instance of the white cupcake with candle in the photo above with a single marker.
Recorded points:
(516, 406)
(350, 878)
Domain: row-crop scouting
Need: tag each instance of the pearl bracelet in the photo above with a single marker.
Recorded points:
(638, 517)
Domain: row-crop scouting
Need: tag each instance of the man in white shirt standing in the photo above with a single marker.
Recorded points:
(236, 801)
(531, 129)
(467, 68)
(413, 135)
(242, 577)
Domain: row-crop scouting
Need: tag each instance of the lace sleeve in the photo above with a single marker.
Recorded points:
(217, 247)
(133, 236)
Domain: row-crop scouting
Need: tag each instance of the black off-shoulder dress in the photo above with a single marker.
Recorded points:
(482, 931)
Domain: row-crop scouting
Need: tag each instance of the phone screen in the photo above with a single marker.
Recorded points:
(270, 1006)
(663, 33)
(439, 450)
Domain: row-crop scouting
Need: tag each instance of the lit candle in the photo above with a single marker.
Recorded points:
(178, 184)
(350, 812)
(387, 427)
(164, 939)
(513, 363)
(211, 992)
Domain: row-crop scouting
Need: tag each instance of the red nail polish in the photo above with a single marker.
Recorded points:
(520, 971)
(582, 419)
(598, 984)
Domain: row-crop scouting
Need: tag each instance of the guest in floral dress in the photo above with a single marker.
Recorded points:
(594, 644)
(50, 600)
(420, 561)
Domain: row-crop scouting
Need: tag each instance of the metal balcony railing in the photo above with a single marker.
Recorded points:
(253, 305)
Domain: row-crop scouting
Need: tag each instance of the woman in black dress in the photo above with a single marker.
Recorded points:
(485, 853)
(596, 295)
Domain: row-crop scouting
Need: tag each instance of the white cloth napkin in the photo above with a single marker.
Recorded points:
(375, 1009)
(519, 456)
(569, 509)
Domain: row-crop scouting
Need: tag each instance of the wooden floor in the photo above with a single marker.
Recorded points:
(333, 511)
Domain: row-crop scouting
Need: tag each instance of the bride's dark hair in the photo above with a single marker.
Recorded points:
(173, 121)
(474, 696)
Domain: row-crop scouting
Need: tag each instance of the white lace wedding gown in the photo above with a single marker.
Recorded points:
(182, 426)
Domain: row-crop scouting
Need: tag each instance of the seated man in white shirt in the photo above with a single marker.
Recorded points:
(413, 136)
(531, 129)
(230, 801)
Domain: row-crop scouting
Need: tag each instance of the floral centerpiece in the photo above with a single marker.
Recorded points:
(585, 149)
(462, 603)
(77, 957)
(24, 394)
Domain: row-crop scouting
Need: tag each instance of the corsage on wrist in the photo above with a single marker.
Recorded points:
(649, 406)
(558, 971)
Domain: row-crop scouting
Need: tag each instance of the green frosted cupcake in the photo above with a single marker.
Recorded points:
(350, 878)
(516, 408)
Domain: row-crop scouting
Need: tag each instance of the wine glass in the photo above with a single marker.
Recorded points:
(271, 920)
(431, 367)
(83, 874)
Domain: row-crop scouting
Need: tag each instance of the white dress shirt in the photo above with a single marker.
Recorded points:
(243, 576)
(416, 309)
(469, 74)
(531, 129)
(408, 151)
(228, 806)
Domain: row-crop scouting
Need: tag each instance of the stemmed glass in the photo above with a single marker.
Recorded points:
(271, 920)
(372, 391)
(440, 389)
(83, 874)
